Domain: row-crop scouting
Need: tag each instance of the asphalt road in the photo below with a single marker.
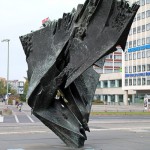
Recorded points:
(107, 133)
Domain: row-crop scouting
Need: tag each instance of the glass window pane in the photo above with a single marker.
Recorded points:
(134, 81)
(139, 81)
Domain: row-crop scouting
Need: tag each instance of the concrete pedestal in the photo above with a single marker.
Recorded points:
(1, 118)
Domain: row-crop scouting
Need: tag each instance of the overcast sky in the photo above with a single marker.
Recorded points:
(19, 17)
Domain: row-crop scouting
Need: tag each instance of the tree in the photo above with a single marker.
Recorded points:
(2, 88)
(23, 96)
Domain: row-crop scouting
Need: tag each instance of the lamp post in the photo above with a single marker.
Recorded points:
(7, 40)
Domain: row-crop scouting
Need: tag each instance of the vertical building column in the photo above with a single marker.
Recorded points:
(102, 98)
(108, 83)
(133, 98)
(102, 84)
(109, 99)
(125, 100)
(116, 98)
(116, 83)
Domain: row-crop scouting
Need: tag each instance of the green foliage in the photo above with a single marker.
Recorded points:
(121, 113)
(10, 101)
(23, 96)
(2, 88)
(97, 102)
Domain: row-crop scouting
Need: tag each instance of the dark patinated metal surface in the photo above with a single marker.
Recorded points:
(60, 58)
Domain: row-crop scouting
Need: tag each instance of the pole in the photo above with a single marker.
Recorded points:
(8, 71)
(7, 40)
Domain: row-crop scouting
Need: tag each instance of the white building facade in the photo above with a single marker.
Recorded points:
(136, 58)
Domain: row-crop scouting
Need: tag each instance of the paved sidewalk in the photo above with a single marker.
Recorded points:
(118, 108)
(97, 108)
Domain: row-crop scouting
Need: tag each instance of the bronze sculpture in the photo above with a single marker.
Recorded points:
(60, 58)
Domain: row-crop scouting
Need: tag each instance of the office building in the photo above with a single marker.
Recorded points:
(136, 58)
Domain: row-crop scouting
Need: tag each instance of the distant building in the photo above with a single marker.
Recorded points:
(136, 59)
(109, 89)
(135, 63)
(14, 84)
(112, 63)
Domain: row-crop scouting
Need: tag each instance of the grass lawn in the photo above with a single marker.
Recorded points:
(120, 113)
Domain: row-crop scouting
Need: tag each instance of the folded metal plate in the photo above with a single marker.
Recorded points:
(60, 60)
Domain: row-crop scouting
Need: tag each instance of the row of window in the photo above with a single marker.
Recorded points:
(143, 2)
(137, 42)
(138, 68)
(115, 64)
(111, 70)
(109, 84)
(140, 29)
(111, 56)
(108, 98)
(138, 81)
(142, 15)
(137, 55)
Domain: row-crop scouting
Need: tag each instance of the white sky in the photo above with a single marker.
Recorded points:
(19, 17)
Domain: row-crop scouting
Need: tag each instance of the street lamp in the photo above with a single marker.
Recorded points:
(7, 40)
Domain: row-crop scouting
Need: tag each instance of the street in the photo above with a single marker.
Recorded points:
(107, 133)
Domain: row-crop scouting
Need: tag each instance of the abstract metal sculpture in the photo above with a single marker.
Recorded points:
(60, 57)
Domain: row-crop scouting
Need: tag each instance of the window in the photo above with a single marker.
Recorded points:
(130, 81)
(147, 1)
(117, 57)
(138, 2)
(142, 2)
(108, 70)
(134, 56)
(138, 55)
(105, 84)
(130, 56)
(148, 67)
(119, 83)
(148, 53)
(143, 41)
(139, 81)
(126, 82)
(134, 81)
(130, 44)
(99, 84)
(126, 57)
(148, 13)
(112, 83)
(143, 15)
(143, 81)
(108, 63)
(148, 26)
(143, 54)
(126, 69)
(134, 68)
(148, 80)
(134, 30)
(117, 64)
(143, 28)
(143, 67)
(138, 16)
(138, 68)
(130, 69)
(134, 43)
(138, 42)
(138, 29)
(148, 40)
(111, 56)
